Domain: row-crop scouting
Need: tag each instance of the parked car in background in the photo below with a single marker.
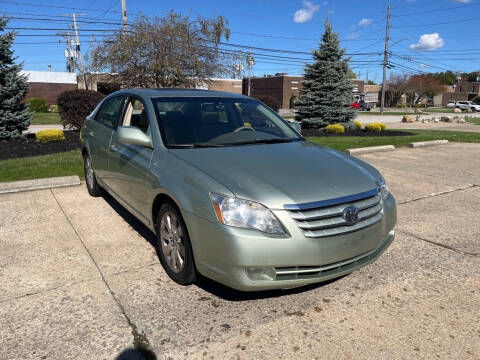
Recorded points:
(451, 104)
(467, 105)
(362, 105)
(232, 191)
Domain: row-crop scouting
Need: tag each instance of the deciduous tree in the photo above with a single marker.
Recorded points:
(170, 51)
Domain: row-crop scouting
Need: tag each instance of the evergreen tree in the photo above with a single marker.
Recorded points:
(14, 117)
(326, 95)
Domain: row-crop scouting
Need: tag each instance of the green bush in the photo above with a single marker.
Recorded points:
(50, 135)
(76, 105)
(335, 129)
(476, 100)
(37, 104)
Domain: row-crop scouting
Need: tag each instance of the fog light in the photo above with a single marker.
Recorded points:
(261, 273)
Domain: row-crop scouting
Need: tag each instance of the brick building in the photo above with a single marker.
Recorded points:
(49, 84)
(228, 85)
(464, 91)
(282, 88)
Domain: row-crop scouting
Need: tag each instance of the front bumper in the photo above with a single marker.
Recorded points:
(232, 256)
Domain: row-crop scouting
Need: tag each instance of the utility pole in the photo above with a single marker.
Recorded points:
(78, 51)
(250, 62)
(385, 61)
(124, 16)
(75, 53)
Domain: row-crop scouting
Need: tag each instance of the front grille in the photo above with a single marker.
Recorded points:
(325, 218)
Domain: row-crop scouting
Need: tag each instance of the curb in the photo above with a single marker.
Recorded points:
(39, 184)
(370, 149)
(427, 143)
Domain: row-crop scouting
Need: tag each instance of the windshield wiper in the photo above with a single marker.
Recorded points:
(194, 146)
(262, 141)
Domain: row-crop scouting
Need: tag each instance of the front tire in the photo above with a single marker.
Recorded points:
(173, 245)
(90, 179)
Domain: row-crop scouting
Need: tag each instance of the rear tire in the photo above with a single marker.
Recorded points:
(173, 245)
(90, 179)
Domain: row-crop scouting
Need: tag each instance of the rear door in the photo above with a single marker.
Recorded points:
(130, 164)
(99, 134)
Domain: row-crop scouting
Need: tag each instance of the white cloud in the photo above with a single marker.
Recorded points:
(424, 66)
(306, 12)
(365, 22)
(462, 1)
(428, 42)
(353, 35)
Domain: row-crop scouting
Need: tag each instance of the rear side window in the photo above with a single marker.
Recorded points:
(110, 111)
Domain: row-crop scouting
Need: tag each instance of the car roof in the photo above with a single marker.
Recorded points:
(177, 92)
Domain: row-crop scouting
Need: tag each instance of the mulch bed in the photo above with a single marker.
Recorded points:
(356, 132)
(30, 147)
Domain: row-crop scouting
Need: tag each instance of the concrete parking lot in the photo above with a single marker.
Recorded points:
(80, 279)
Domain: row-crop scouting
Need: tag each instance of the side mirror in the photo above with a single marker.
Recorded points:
(133, 136)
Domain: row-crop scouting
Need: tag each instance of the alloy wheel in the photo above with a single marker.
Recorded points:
(171, 241)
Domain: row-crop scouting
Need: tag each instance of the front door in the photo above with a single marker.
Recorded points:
(99, 134)
(130, 164)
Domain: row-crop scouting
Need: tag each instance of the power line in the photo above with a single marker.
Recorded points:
(439, 23)
(435, 10)
(55, 6)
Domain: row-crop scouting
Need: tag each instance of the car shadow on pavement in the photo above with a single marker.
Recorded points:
(136, 354)
(229, 294)
(211, 286)
(131, 220)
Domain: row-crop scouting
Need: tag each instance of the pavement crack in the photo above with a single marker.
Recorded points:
(438, 244)
(468, 186)
(140, 340)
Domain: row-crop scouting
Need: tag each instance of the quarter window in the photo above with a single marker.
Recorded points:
(110, 111)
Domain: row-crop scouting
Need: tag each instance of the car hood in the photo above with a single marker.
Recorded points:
(286, 173)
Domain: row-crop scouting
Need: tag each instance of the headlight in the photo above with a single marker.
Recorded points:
(242, 213)
(383, 187)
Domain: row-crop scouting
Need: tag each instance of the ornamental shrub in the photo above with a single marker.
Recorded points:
(37, 104)
(53, 108)
(375, 127)
(358, 124)
(75, 105)
(50, 135)
(335, 129)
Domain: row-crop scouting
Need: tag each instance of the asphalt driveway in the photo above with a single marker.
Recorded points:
(80, 279)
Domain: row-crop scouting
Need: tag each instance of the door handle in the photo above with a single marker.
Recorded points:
(113, 148)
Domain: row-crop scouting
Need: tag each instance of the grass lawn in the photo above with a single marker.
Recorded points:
(344, 142)
(46, 119)
(475, 121)
(43, 166)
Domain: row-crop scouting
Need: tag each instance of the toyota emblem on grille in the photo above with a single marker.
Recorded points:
(350, 215)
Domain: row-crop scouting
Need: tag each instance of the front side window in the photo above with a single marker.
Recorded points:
(135, 115)
(197, 122)
(110, 111)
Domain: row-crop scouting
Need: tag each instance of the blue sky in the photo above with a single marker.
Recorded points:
(427, 36)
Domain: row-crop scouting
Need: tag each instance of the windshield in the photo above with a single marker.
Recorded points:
(210, 122)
